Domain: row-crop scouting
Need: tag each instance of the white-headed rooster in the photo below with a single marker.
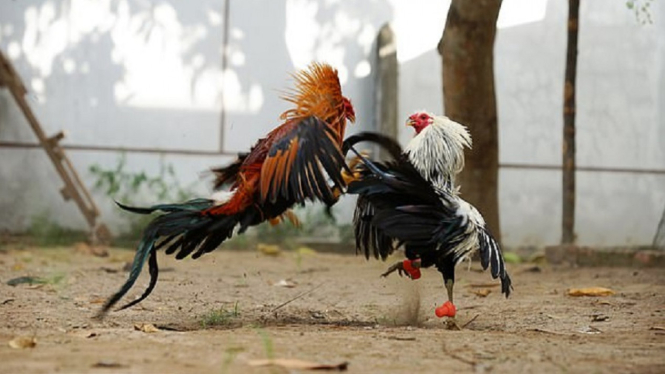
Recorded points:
(412, 201)
(300, 160)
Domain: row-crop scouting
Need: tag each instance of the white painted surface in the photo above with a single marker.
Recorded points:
(148, 74)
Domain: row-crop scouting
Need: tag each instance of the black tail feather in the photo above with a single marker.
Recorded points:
(227, 174)
(146, 247)
(182, 229)
(387, 143)
(154, 274)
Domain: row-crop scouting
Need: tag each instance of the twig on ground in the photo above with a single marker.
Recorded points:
(296, 297)
(471, 320)
(547, 331)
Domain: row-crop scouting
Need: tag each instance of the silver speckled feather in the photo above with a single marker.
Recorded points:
(437, 152)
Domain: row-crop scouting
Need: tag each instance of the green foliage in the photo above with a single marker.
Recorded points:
(45, 232)
(642, 9)
(512, 258)
(220, 317)
(125, 186)
(134, 188)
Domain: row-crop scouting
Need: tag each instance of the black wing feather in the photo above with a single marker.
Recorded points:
(315, 155)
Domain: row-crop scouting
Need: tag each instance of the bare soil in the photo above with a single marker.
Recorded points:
(216, 313)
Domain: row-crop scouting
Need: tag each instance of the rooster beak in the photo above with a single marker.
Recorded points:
(410, 122)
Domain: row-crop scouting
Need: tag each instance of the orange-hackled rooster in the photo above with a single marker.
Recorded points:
(295, 162)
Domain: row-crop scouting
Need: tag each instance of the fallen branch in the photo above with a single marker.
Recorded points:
(402, 338)
(299, 364)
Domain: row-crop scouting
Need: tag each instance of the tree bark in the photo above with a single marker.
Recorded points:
(568, 188)
(386, 93)
(467, 50)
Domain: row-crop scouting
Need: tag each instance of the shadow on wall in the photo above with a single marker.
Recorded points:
(148, 75)
(103, 70)
(131, 74)
(263, 50)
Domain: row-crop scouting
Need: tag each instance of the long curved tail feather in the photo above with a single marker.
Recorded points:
(387, 143)
(182, 228)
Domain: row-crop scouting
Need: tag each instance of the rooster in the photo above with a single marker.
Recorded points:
(296, 162)
(412, 201)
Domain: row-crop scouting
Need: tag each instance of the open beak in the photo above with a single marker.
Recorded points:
(410, 122)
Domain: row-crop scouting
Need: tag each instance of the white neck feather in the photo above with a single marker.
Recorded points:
(437, 151)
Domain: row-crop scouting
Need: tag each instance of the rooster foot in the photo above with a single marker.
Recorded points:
(410, 268)
(395, 267)
(451, 324)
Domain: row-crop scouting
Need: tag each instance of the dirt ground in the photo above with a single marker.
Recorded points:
(217, 313)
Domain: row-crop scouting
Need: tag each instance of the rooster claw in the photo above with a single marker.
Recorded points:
(407, 267)
(399, 267)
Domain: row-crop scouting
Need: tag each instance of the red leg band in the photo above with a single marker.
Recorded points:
(409, 268)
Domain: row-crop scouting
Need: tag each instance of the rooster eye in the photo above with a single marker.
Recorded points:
(423, 116)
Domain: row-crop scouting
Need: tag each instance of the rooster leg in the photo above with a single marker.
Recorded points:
(451, 322)
(398, 266)
(409, 267)
(448, 309)
(292, 217)
(449, 288)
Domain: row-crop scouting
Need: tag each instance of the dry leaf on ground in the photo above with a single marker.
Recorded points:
(269, 249)
(94, 250)
(285, 283)
(483, 292)
(482, 285)
(25, 280)
(145, 327)
(589, 330)
(590, 291)
(298, 364)
(108, 364)
(22, 342)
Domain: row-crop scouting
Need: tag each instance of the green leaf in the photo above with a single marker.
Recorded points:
(512, 258)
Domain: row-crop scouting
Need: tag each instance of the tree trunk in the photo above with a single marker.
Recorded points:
(386, 94)
(568, 188)
(467, 50)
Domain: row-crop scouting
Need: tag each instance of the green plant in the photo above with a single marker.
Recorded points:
(44, 232)
(125, 186)
(220, 317)
(642, 10)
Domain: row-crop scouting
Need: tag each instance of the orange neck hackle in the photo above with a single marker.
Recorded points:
(318, 93)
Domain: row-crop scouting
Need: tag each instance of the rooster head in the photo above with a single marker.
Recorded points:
(349, 112)
(419, 121)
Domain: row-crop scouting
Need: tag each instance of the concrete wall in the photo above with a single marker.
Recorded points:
(149, 75)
